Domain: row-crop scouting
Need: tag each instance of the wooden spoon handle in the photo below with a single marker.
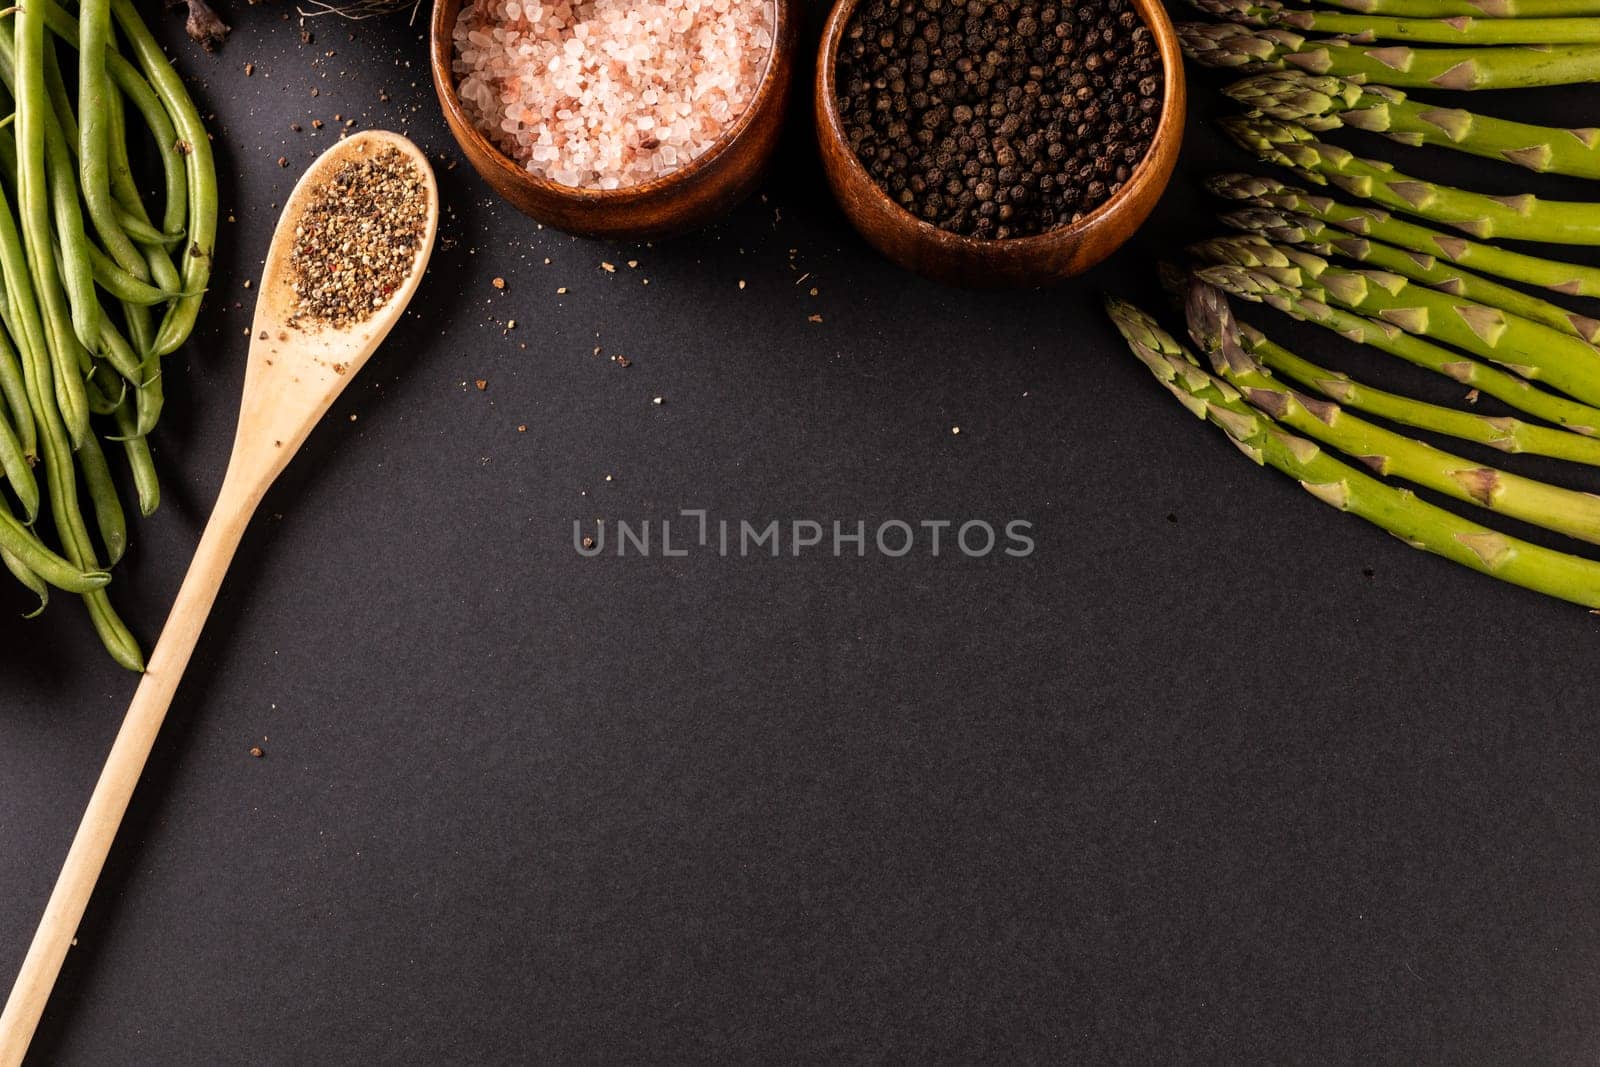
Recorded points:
(121, 773)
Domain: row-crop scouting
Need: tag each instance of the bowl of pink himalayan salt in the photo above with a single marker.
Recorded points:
(626, 119)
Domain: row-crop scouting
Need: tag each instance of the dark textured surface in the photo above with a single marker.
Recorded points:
(1187, 785)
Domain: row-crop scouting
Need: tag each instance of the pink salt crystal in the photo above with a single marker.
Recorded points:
(608, 93)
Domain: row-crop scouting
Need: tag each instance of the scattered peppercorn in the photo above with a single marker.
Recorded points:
(999, 118)
(357, 240)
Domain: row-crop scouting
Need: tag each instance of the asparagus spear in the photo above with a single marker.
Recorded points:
(1318, 237)
(1522, 217)
(1524, 346)
(1464, 30)
(1323, 102)
(1416, 522)
(1501, 9)
(1231, 47)
(1506, 434)
(1384, 451)
(1491, 381)
(1570, 279)
(1533, 351)
(1253, 251)
(1234, 47)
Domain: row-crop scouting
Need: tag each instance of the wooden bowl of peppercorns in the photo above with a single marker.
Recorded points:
(999, 143)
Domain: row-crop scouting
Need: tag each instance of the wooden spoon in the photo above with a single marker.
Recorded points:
(293, 377)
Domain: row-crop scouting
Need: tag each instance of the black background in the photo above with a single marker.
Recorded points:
(1216, 775)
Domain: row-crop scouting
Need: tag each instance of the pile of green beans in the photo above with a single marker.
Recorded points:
(91, 295)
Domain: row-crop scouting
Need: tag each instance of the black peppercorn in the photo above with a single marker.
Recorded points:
(999, 118)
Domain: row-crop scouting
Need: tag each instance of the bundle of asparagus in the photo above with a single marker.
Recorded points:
(1340, 485)
(1451, 304)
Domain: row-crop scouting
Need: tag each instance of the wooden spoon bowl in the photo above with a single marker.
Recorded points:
(691, 196)
(1015, 262)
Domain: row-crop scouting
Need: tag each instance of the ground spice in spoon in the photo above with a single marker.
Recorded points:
(357, 239)
(999, 118)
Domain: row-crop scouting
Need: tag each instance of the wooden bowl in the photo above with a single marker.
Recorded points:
(1015, 262)
(691, 196)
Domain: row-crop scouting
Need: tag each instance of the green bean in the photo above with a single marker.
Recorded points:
(150, 396)
(19, 311)
(124, 286)
(77, 275)
(143, 232)
(201, 170)
(137, 448)
(15, 389)
(135, 309)
(124, 190)
(18, 473)
(11, 383)
(163, 273)
(55, 86)
(138, 92)
(35, 555)
(149, 392)
(39, 587)
(34, 203)
(104, 396)
(103, 498)
(120, 354)
(17, 453)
